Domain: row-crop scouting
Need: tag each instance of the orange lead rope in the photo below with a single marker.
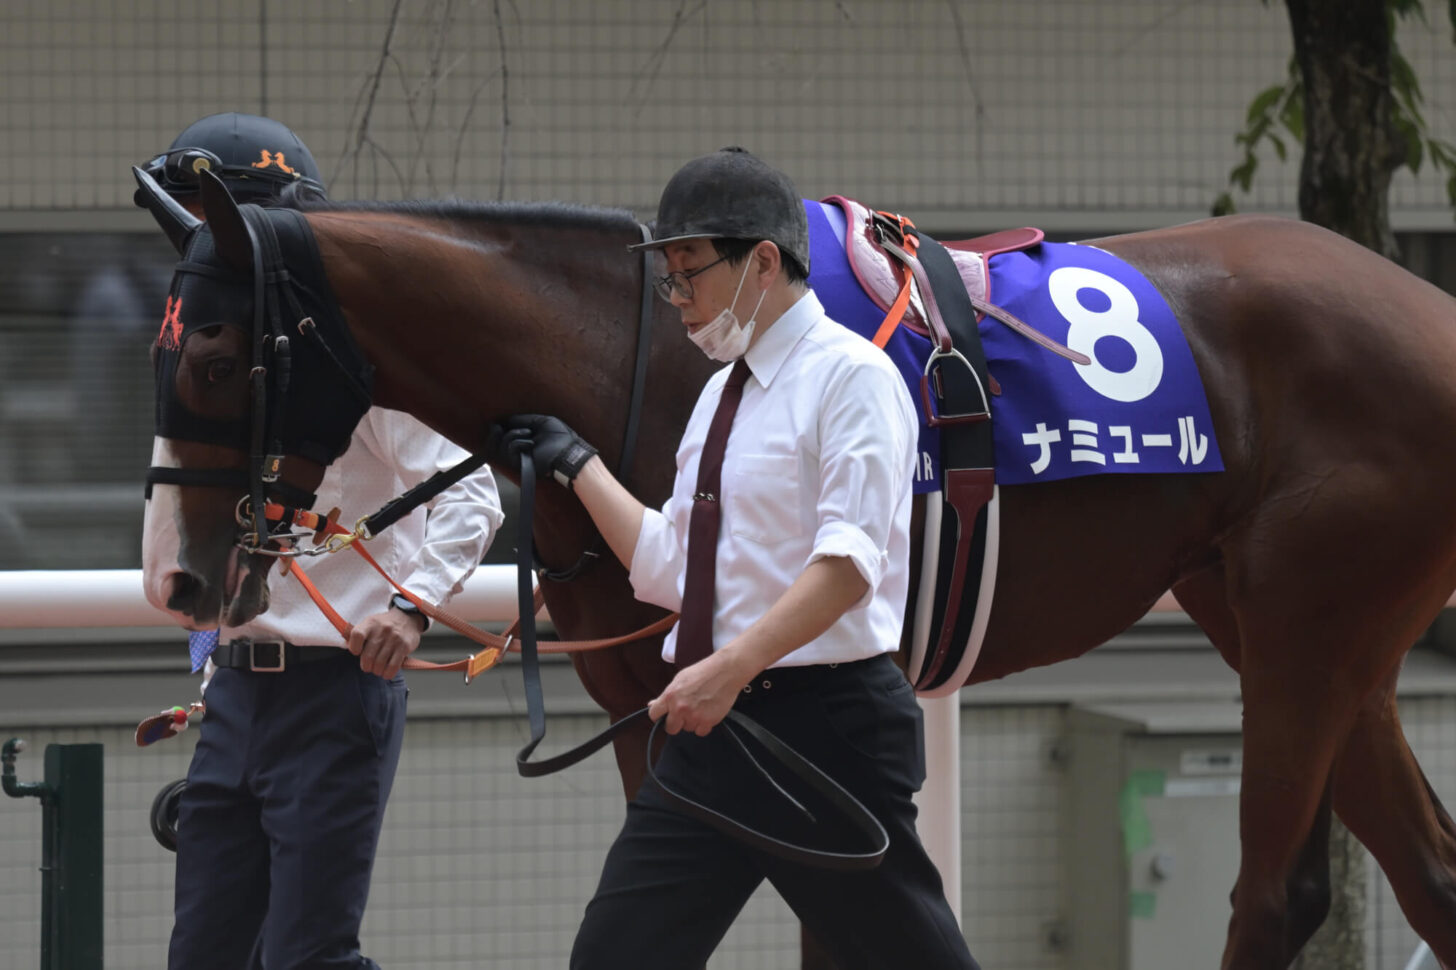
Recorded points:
(495, 645)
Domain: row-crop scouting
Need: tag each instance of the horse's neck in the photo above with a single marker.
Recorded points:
(464, 331)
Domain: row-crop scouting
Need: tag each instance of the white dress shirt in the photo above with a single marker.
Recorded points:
(819, 463)
(431, 556)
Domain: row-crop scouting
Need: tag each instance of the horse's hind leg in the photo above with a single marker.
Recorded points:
(1384, 798)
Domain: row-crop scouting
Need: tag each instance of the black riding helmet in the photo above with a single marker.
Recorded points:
(732, 194)
(259, 159)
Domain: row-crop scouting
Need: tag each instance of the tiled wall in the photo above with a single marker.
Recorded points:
(964, 115)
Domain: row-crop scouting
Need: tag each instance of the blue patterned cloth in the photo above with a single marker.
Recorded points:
(200, 646)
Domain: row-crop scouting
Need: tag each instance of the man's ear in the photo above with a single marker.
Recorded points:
(771, 261)
(225, 219)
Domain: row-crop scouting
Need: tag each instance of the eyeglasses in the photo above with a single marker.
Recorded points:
(681, 283)
(182, 168)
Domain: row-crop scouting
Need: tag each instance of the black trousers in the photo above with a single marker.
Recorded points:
(671, 885)
(281, 815)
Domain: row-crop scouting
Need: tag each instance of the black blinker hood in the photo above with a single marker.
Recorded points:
(327, 392)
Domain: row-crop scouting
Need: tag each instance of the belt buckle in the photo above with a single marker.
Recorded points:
(278, 656)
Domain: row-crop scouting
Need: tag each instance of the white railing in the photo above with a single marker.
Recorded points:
(51, 598)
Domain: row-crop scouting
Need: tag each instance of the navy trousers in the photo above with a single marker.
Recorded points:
(281, 816)
(671, 885)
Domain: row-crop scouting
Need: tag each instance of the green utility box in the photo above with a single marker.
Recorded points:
(1152, 833)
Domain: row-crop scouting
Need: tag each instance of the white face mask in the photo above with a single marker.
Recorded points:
(724, 338)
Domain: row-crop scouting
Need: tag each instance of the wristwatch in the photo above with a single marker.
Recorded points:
(398, 602)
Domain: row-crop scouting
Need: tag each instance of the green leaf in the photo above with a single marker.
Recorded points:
(1266, 99)
(1413, 149)
(1278, 147)
(1224, 205)
(1408, 8)
(1243, 174)
(1403, 80)
(1292, 116)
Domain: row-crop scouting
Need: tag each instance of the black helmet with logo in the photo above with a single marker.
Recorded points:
(259, 160)
(732, 194)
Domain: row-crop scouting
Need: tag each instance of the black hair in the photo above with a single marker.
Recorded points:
(737, 250)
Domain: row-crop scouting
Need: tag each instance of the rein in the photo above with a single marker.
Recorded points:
(846, 804)
(255, 512)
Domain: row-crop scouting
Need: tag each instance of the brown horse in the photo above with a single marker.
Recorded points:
(1313, 561)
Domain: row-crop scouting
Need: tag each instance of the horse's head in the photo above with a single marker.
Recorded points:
(259, 386)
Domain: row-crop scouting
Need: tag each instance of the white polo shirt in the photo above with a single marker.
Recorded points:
(819, 463)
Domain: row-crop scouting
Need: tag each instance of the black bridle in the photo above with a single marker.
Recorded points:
(270, 382)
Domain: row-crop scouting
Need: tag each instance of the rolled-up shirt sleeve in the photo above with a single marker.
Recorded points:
(658, 561)
(866, 457)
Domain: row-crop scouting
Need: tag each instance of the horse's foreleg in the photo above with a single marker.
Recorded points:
(1385, 799)
(1283, 890)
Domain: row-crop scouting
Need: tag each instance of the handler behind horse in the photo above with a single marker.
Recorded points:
(789, 612)
(286, 792)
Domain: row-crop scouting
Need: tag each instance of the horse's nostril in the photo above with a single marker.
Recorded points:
(183, 593)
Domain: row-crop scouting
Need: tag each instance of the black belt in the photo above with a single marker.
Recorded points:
(791, 680)
(270, 656)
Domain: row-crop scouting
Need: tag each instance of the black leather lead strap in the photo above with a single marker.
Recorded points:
(858, 816)
(397, 508)
(526, 607)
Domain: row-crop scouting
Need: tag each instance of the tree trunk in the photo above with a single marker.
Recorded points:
(1340, 943)
(1351, 147)
(1351, 150)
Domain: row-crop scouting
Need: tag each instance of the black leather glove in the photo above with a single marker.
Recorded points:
(554, 446)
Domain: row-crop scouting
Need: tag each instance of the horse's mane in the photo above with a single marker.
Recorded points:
(548, 215)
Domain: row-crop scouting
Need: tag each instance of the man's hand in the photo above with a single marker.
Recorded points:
(383, 641)
(699, 696)
(554, 446)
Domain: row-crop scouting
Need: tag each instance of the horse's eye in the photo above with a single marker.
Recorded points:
(219, 370)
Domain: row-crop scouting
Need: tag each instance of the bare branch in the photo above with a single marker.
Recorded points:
(657, 57)
(965, 51)
(362, 136)
(505, 100)
(465, 125)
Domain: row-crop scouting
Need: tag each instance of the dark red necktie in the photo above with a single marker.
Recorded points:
(695, 628)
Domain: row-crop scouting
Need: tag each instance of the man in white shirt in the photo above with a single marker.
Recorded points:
(806, 602)
(286, 792)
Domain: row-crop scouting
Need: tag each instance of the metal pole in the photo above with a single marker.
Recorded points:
(939, 799)
(71, 936)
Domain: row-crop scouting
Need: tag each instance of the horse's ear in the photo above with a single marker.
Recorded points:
(229, 232)
(176, 222)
